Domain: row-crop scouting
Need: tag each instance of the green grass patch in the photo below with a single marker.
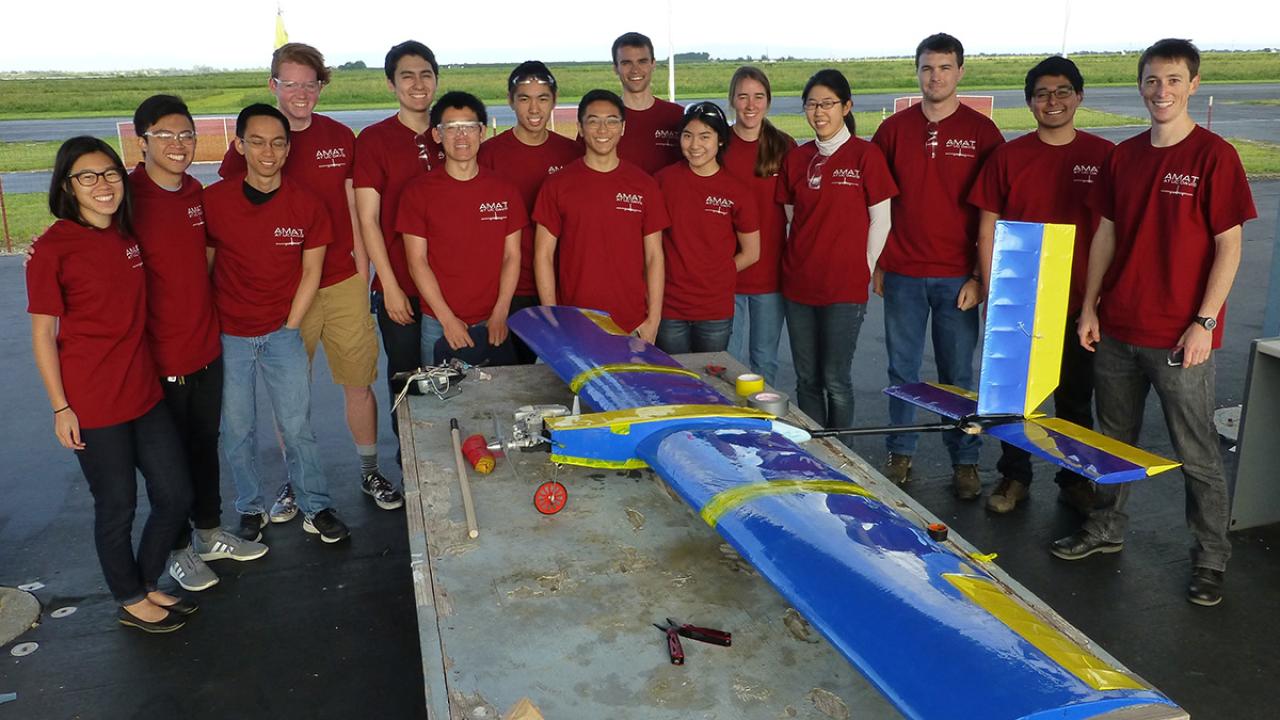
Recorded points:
(228, 92)
(1259, 101)
(23, 156)
(28, 217)
(1261, 159)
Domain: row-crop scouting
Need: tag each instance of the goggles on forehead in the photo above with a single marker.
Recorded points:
(707, 108)
(547, 80)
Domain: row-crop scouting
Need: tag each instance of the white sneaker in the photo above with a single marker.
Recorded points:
(225, 546)
(190, 571)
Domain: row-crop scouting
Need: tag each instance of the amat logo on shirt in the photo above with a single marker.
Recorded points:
(629, 202)
(490, 211)
(195, 214)
(846, 176)
(666, 138)
(962, 148)
(290, 235)
(1084, 173)
(1180, 184)
(331, 157)
(717, 205)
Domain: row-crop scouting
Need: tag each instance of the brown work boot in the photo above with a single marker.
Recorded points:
(1007, 495)
(1078, 496)
(965, 482)
(898, 468)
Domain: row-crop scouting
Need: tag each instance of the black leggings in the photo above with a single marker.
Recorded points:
(403, 347)
(110, 460)
(195, 404)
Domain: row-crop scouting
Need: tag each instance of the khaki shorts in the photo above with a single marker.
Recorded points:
(339, 317)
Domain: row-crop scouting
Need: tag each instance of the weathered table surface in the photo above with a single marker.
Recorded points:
(560, 608)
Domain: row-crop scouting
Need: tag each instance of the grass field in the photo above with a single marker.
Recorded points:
(227, 92)
(28, 216)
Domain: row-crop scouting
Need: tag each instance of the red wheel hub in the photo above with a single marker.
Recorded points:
(550, 497)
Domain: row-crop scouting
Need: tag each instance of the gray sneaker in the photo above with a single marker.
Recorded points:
(225, 546)
(190, 571)
(285, 508)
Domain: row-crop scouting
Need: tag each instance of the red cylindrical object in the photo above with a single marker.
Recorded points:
(476, 450)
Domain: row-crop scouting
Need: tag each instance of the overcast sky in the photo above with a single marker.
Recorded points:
(81, 35)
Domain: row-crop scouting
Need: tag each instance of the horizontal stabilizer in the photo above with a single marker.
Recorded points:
(946, 400)
(1083, 451)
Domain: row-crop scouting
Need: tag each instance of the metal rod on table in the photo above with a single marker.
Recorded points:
(885, 429)
(467, 506)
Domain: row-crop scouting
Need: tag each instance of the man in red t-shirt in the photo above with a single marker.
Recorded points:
(182, 325)
(1173, 201)
(929, 267)
(322, 153)
(461, 226)
(606, 217)
(652, 140)
(1045, 177)
(526, 155)
(267, 240)
(389, 154)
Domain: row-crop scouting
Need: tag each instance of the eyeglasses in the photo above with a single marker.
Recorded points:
(89, 178)
(461, 127)
(165, 136)
(707, 108)
(424, 150)
(811, 105)
(261, 143)
(931, 139)
(1062, 93)
(815, 170)
(311, 86)
(613, 122)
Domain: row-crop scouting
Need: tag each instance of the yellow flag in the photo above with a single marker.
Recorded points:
(282, 35)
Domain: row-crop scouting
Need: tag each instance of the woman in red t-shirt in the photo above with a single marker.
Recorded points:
(86, 296)
(754, 156)
(714, 233)
(838, 189)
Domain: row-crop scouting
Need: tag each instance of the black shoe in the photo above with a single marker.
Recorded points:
(184, 606)
(327, 525)
(171, 622)
(251, 525)
(1205, 587)
(381, 490)
(1082, 545)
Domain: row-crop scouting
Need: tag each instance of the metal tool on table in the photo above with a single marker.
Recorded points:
(674, 631)
(468, 506)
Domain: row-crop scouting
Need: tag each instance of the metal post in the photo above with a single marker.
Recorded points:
(1271, 319)
(4, 213)
(1208, 125)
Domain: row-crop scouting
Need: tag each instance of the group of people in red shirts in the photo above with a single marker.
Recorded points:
(155, 304)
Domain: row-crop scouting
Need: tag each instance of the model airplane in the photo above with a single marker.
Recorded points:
(935, 632)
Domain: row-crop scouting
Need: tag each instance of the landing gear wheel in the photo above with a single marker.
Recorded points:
(550, 497)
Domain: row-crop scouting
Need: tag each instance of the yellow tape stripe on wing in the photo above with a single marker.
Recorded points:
(1152, 462)
(626, 417)
(605, 322)
(590, 374)
(632, 464)
(735, 497)
(1049, 325)
(956, 390)
(1091, 669)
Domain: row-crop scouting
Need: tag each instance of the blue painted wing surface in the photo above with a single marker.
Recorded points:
(614, 370)
(946, 400)
(1082, 451)
(932, 631)
(1011, 310)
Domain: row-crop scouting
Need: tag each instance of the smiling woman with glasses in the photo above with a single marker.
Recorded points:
(838, 189)
(86, 292)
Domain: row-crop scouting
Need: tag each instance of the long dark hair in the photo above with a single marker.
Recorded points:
(836, 82)
(62, 199)
(773, 142)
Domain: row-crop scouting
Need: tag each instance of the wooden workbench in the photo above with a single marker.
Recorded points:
(560, 608)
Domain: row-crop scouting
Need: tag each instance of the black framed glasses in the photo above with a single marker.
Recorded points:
(931, 139)
(424, 150)
(89, 178)
(814, 174)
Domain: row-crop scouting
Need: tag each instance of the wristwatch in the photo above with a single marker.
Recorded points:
(1207, 323)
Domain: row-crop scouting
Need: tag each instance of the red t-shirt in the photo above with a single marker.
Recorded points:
(825, 259)
(1167, 204)
(388, 156)
(600, 220)
(934, 230)
(93, 282)
(466, 225)
(706, 214)
(321, 158)
(527, 166)
(740, 162)
(1031, 181)
(182, 325)
(651, 138)
(258, 263)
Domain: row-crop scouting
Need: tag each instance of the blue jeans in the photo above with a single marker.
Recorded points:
(757, 328)
(685, 336)
(908, 304)
(432, 331)
(1123, 375)
(823, 338)
(283, 360)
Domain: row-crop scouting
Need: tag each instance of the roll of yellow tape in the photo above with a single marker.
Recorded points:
(748, 384)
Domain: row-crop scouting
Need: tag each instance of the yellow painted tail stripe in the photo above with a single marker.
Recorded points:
(590, 374)
(735, 497)
(605, 322)
(1153, 463)
(1044, 360)
(1092, 670)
